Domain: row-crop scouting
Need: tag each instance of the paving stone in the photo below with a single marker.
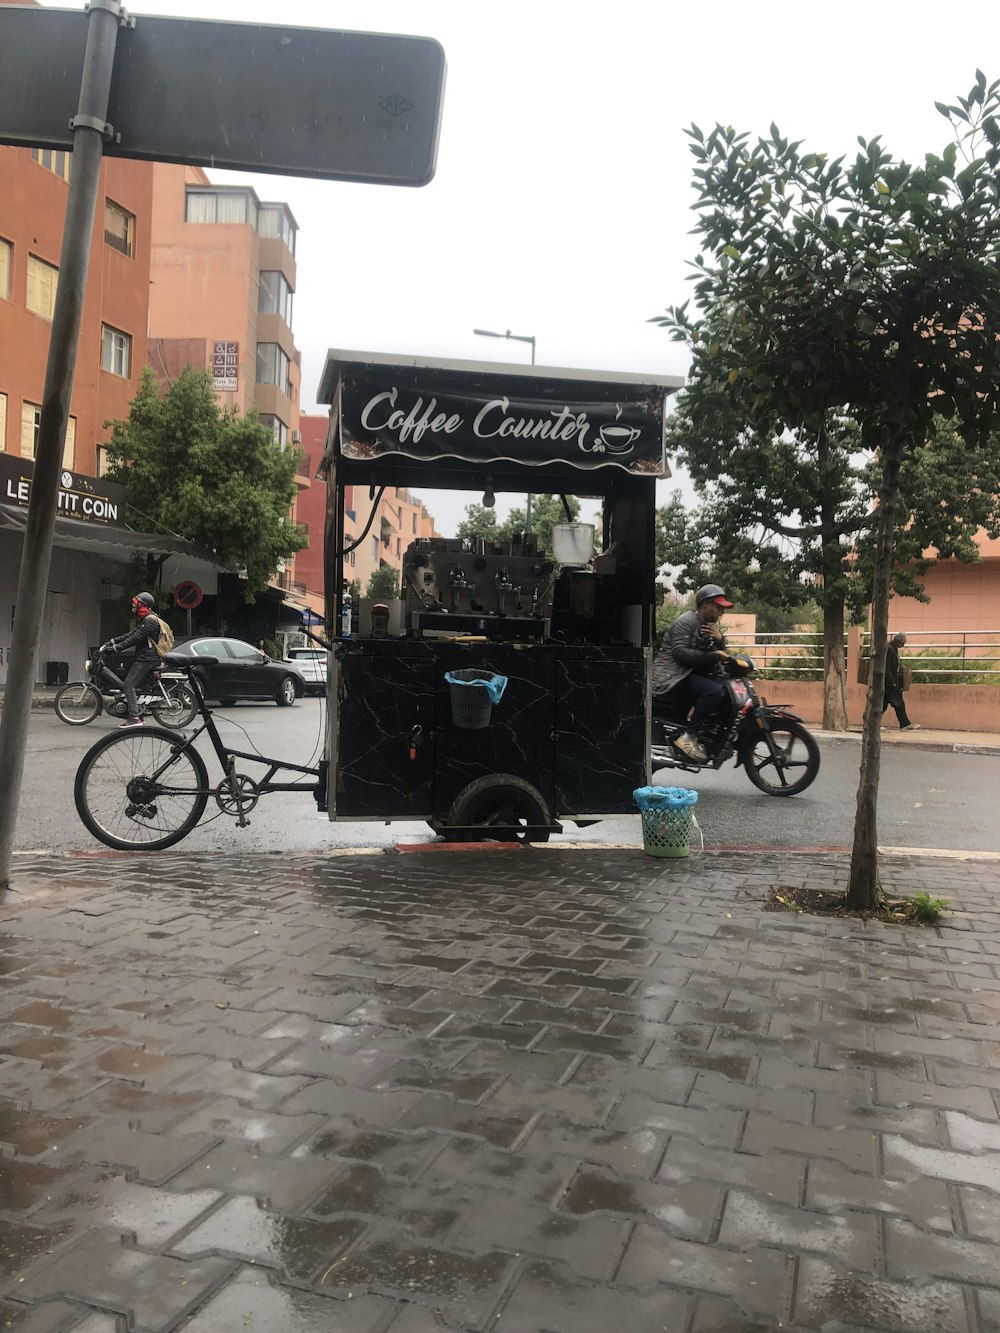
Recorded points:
(712, 1090)
(906, 1161)
(590, 1245)
(538, 1180)
(893, 1091)
(52, 1317)
(969, 1134)
(31, 1134)
(632, 1152)
(146, 1109)
(825, 1295)
(116, 1204)
(329, 1098)
(833, 1188)
(855, 1148)
(549, 1297)
(98, 1270)
(404, 1154)
(439, 1113)
(749, 1220)
(300, 1248)
(251, 1301)
(282, 1182)
(264, 1091)
(720, 1127)
(835, 1112)
(25, 1186)
(154, 1157)
(465, 1288)
(688, 1209)
(914, 1254)
(714, 1314)
(274, 1133)
(778, 1176)
(757, 1280)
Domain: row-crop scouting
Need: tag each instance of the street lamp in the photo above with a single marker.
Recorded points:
(520, 338)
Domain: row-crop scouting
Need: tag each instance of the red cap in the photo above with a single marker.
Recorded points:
(720, 601)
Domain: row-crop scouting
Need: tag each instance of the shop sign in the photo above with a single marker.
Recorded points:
(225, 367)
(90, 500)
(380, 417)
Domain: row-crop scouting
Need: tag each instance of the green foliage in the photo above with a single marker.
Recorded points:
(938, 666)
(546, 510)
(666, 614)
(383, 586)
(928, 909)
(208, 474)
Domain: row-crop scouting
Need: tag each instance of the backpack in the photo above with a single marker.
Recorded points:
(165, 643)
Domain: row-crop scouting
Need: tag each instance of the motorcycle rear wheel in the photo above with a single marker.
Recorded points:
(77, 703)
(791, 768)
(178, 709)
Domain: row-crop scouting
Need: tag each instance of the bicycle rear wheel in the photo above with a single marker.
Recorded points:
(77, 703)
(178, 709)
(141, 790)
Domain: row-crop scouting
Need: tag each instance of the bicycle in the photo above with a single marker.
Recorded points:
(165, 696)
(146, 789)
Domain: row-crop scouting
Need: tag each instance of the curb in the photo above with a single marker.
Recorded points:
(945, 747)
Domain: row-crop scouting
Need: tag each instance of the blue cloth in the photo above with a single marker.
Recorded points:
(494, 686)
(664, 798)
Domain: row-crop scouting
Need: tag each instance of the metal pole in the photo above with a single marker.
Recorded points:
(89, 128)
(527, 507)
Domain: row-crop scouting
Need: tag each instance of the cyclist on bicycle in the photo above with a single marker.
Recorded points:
(143, 639)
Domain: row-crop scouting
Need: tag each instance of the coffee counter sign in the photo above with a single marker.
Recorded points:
(89, 500)
(379, 418)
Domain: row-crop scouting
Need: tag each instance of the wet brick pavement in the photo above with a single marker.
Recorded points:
(537, 1092)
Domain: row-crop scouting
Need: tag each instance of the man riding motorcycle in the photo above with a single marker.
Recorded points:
(143, 639)
(684, 668)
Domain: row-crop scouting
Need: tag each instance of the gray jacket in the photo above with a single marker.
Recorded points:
(684, 648)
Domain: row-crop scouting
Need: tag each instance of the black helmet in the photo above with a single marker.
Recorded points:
(711, 592)
(143, 599)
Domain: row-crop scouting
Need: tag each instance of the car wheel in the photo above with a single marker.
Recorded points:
(286, 692)
(228, 703)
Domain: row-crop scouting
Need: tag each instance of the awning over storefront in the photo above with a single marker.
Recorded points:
(113, 543)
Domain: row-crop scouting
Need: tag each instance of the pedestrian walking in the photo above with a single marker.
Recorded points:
(894, 684)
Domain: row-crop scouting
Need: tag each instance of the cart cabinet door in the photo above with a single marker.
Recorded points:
(600, 733)
(385, 736)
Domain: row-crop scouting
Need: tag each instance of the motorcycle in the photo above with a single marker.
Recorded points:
(779, 755)
(164, 694)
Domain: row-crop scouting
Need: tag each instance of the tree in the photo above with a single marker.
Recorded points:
(546, 510)
(208, 474)
(383, 586)
(479, 522)
(870, 290)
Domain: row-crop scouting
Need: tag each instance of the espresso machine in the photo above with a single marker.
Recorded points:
(480, 588)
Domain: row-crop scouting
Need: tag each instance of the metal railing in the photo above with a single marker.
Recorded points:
(935, 656)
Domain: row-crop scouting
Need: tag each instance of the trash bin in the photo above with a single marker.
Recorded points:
(473, 694)
(56, 673)
(667, 817)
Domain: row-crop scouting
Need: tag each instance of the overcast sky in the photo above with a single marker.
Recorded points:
(561, 203)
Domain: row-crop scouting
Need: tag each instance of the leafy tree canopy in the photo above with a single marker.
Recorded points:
(208, 474)
(383, 585)
(546, 510)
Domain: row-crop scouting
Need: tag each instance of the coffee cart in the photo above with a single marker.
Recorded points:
(570, 629)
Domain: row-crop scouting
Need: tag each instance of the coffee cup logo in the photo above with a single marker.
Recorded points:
(618, 438)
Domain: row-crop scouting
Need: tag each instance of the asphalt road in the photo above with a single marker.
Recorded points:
(928, 799)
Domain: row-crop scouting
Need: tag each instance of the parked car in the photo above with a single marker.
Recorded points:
(242, 672)
(312, 663)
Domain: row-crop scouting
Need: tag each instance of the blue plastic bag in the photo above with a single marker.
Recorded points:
(664, 798)
(494, 685)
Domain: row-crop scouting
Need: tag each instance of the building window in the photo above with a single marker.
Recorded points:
(119, 228)
(116, 351)
(275, 296)
(375, 552)
(224, 206)
(6, 264)
(52, 160)
(102, 460)
(276, 426)
(3, 422)
(42, 282)
(413, 518)
(275, 222)
(31, 419)
(272, 366)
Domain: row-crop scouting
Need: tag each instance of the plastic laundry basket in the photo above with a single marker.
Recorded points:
(666, 832)
(471, 699)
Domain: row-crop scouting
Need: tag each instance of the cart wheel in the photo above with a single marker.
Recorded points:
(500, 807)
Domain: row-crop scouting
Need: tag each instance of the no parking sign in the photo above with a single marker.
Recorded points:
(188, 595)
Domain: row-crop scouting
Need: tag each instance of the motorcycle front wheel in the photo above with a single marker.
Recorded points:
(77, 703)
(178, 709)
(782, 761)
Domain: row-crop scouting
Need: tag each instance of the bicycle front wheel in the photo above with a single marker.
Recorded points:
(141, 790)
(77, 703)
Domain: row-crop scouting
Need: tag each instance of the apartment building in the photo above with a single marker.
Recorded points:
(222, 286)
(92, 540)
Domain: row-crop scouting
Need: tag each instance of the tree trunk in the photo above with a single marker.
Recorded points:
(863, 890)
(834, 669)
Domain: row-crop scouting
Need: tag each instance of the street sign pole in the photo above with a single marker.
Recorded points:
(89, 129)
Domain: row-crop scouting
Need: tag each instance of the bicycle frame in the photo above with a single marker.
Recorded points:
(105, 680)
(227, 758)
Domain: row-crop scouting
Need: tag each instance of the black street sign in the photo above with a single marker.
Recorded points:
(336, 105)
